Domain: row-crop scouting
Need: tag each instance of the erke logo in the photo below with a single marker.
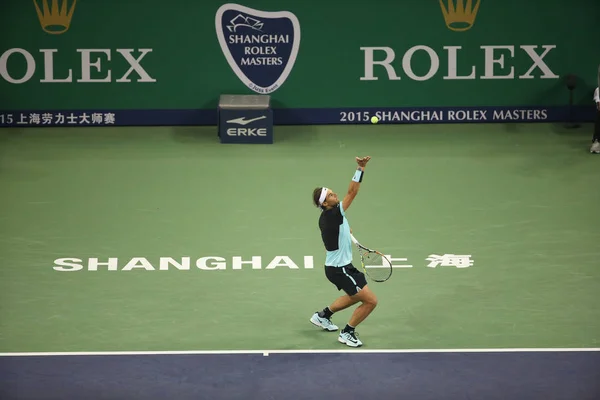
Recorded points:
(260, 46)
(246, 131)
(244, 121)
(55, 20)
(459, 17)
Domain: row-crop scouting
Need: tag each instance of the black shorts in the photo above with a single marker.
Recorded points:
(346, 278)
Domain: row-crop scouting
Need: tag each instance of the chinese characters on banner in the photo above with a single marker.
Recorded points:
(57, 118)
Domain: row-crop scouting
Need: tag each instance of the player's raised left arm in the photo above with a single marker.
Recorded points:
(355, 182)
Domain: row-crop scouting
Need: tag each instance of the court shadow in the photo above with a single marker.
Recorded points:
(569, 130)
(537, 142)
(559, 128)
(195, 134)
(559, 154)
(13, 167)
(288, 134)
(11, 132)
(513, 127)
(575, 137)
(7, 137)
(295, 134)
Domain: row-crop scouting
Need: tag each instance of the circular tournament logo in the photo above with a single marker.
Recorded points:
(260, 46)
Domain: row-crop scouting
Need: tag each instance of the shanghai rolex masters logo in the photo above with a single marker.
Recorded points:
(458, 16)
(55, 19)
(260, 46)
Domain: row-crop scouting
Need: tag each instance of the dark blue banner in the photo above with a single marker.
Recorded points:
(300, 116)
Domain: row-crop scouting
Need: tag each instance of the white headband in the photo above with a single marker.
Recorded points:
(323, 196)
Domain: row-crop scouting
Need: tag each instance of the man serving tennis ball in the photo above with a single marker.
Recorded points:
(335, 233)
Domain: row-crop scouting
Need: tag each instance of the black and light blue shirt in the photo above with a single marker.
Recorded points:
(335, 232)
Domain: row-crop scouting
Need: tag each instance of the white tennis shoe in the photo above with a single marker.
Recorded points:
(349, 339)
(323, 323)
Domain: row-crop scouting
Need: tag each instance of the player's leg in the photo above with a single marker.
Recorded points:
(342, 302)
(322, 318)
(596, 139)
(348, 334)
(369, 302)
(359, 292)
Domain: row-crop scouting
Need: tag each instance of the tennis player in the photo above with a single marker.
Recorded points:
(335, 233)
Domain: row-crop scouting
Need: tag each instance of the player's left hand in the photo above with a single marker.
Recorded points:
(362, 161)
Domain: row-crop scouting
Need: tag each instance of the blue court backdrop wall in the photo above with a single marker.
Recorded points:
(92, 63)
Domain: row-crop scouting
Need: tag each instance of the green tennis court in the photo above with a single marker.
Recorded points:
(126, 239)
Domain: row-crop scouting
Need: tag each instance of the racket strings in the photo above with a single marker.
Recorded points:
(377, 267)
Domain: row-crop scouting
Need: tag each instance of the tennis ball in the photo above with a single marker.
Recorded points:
(374, 120)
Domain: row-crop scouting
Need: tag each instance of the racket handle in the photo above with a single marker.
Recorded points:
(353, 239)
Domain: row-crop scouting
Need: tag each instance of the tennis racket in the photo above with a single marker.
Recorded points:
(376, 266)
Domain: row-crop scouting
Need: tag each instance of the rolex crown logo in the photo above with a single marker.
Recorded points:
(55, 19)
(460, 17)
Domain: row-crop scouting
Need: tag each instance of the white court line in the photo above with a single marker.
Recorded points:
(262, 352)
